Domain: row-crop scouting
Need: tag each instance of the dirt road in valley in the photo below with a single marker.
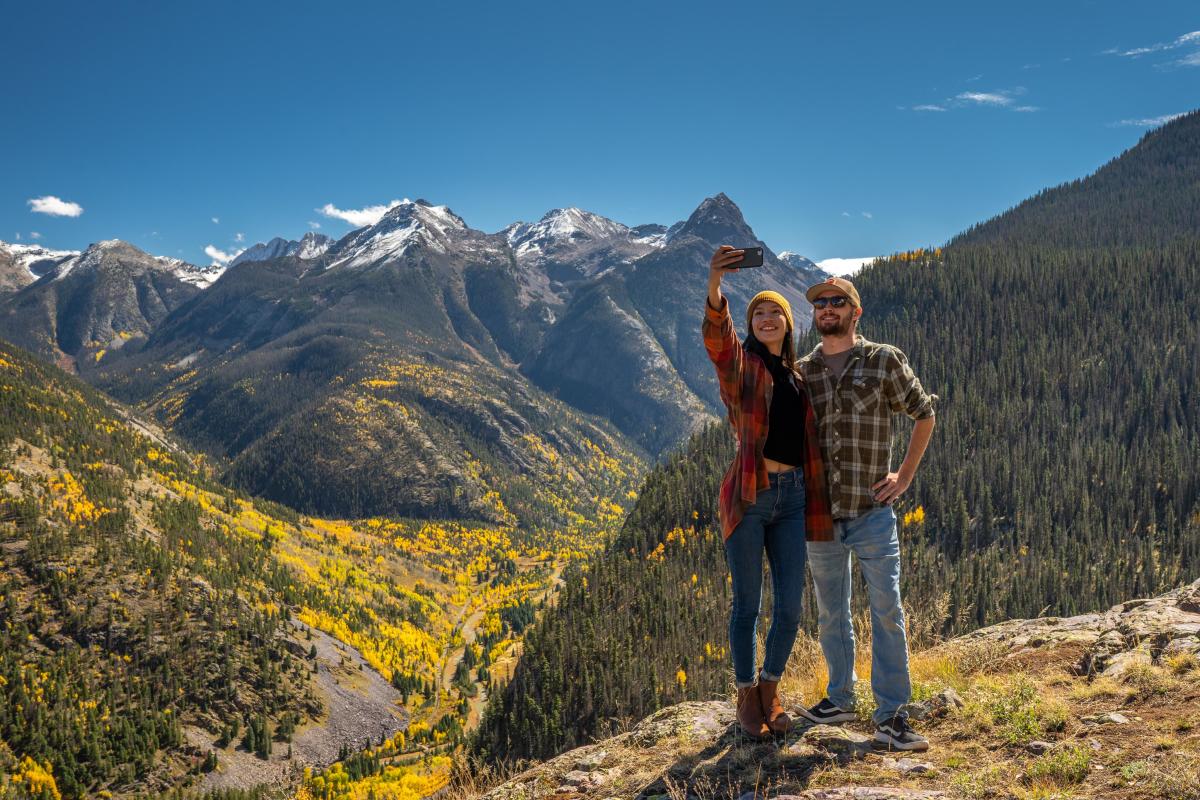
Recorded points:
(470, 632)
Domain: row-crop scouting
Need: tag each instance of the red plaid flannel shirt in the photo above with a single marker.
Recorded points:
(746, 386)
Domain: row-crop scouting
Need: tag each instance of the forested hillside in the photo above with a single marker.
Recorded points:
(115, 639)
(161, 630)
(1146, 197)
(1061, 477)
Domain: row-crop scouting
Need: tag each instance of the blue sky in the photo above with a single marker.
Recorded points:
(848, 131)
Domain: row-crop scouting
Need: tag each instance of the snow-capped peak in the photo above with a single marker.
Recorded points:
(312, 245)
(97, 254)
(407, 223)
(795, 259)
(558, 227)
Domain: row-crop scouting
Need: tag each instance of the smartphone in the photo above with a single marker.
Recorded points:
(753, 257)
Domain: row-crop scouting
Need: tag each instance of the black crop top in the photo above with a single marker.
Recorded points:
(785, 427)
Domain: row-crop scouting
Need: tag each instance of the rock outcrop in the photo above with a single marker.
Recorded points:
(694, 751)
(1140, 631)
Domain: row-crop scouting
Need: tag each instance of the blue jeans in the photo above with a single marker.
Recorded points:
(873, 539)
(775, 523)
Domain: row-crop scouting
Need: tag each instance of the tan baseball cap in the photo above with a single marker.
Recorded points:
(840, 285)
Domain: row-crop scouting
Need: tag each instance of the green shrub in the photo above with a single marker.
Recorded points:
(1063, 766)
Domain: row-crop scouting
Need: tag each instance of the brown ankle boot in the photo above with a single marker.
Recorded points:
(750, 713)
(778, 721)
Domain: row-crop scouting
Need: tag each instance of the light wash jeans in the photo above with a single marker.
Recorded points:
(775, 523)
(874, 540)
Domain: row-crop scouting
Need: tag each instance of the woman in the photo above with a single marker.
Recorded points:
(773, 496)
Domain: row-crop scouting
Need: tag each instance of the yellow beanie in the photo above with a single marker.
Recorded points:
(774, 297)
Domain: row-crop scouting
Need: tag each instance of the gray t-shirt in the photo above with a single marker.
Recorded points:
(837, 363)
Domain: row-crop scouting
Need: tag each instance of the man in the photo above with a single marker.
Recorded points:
(855, 387)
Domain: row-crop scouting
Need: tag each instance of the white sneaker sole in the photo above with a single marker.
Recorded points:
(844, 716)
(883, 738)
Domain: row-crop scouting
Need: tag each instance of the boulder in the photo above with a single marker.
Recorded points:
(937, 706)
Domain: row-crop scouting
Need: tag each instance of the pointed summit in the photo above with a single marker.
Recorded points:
(410, 223)
(113, 256)
(717, 220)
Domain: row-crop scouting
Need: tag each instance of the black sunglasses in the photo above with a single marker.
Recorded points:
(836, 302)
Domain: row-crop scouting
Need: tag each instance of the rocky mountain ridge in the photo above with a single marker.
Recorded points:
(93, 302)
(309, 246)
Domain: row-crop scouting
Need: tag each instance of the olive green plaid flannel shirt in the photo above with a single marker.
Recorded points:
(854, 415)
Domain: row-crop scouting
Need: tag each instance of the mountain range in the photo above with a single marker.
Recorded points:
(416, 365)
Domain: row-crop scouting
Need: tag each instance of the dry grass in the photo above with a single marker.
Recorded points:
(1182, 663)
(472, 778)
(982, 750)
(1102, 688)
(1148, 682)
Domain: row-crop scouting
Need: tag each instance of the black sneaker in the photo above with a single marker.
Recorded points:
(897, 735)
(827, 712)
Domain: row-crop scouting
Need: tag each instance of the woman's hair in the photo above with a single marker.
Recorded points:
(788, 355)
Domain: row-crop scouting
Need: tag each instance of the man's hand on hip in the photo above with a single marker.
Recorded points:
(891, 487)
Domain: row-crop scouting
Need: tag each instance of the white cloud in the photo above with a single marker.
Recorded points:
(314, 225)
(1001, 98)
(216, 220)
(1190, 60)
(985, 98)
(18, 236)
(220, 257)
(55, 207)
(1149, 122)
(844, 266)
(845, 213)
(34, 235)
(977, 77)
(1185, 40)
(239, 237)
(868, 215)
(357, 217)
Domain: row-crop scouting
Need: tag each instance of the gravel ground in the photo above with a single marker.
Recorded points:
(359, 705)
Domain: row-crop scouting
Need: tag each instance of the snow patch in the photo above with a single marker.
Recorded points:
(26, 255)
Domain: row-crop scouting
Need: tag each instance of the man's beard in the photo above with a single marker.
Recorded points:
(838, 327)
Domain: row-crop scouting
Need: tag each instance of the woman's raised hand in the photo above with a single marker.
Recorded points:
(721, 259)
